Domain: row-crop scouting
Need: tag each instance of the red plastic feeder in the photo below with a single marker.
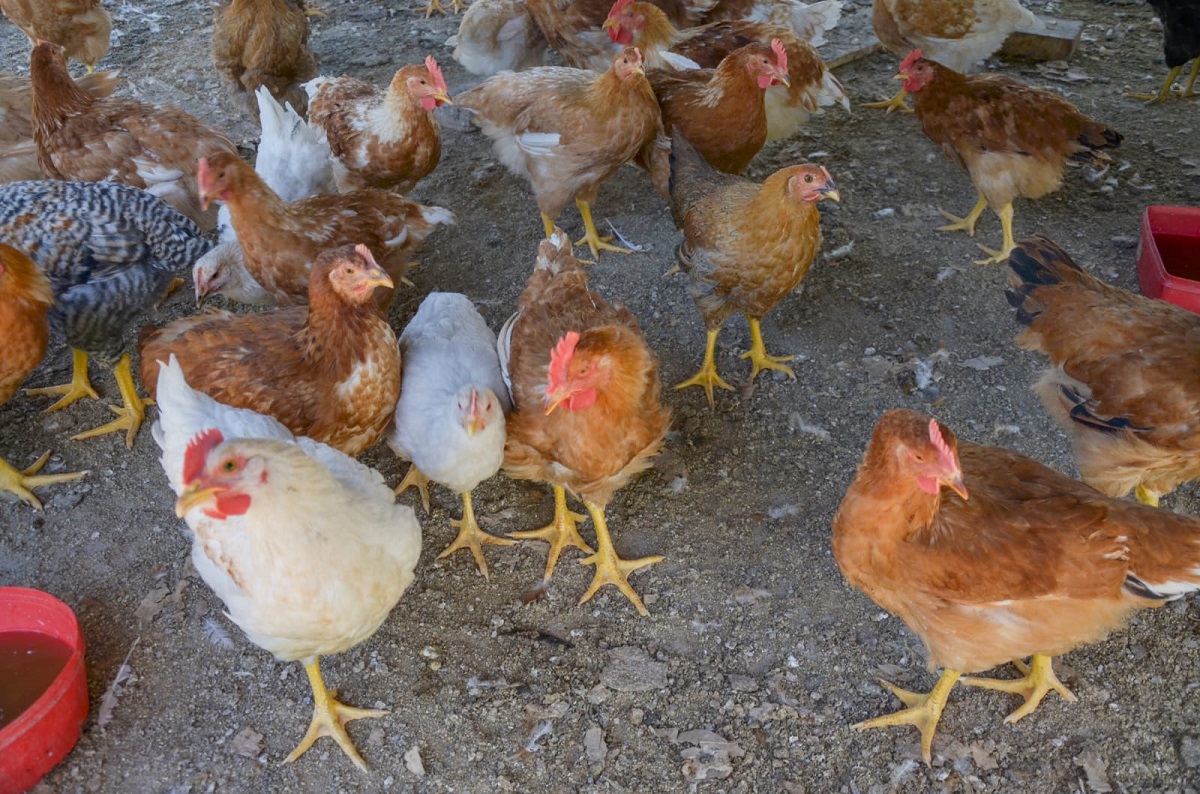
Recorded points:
(44, 732)
(1169, 255)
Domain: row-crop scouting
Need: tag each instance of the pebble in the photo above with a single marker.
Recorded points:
(631, 669)
(594, 745)
(1189, 751)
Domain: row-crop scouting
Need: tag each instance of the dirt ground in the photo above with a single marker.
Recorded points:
(757, 656)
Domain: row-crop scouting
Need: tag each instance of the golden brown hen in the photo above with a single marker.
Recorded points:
(81, 27)
(264, 42)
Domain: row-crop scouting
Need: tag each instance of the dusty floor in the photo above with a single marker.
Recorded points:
(757, 656)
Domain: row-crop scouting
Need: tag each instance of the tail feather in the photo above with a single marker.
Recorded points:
(1035, 263)
(1095, 138)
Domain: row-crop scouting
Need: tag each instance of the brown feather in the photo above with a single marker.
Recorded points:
(25, 300)
(264, 42)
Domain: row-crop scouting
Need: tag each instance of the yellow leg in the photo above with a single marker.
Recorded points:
(130, 416)
(547, 225)
(1038, 680)
(415, 479)
(1164, 93)
(611, 569)
(707, 377)
(175, 284)
(966, 224)
(1189, 90)
(924, 711)
(22, 483)
(1146, 496)
(560, 533)
(592, 237)
(470, 536)
(757, 353)
(1007, 246)
(330, 718)
(91, 68)
(895, 103)
(77, 389)
(455, 7)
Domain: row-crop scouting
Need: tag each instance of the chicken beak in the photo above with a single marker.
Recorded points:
(200, 296)
(901, 76)
(378, 278)
(830, 191)
(611, 22)
(783, 79)
(955, 483)
(638, 70)
(442, 98)
(475, 422)
(192, 496)
(554, 402)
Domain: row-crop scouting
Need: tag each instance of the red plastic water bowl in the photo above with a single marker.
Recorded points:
(43, 733)
(1169, 255)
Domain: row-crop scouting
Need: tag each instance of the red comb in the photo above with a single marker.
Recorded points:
(618, 7)
(365, 253)
(780, 54)
(435, 73)
(909, 60)
(560, 359)
(197, 452)
(939, 443)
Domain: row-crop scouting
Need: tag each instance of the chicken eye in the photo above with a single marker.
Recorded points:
(422, 82)
(349, 271)
(230, 466)
(808, 177)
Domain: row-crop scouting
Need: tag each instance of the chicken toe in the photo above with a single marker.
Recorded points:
(924, 711)
(1165, 93)
(415, 479)
(560, 533)
(611, 569)
(759, 358)
(130, 415)
(895, 103)
(76, 390)
(707, 377)
(966, 224)
(456, 6)
(22, 483)
(330, 718)
(1039, 679)
(1008, 243)
(470, 536)
(592, 237)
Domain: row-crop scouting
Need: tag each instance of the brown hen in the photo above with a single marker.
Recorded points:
(264, 42)
(81, 27)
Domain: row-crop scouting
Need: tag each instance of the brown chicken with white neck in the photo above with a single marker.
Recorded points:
(587, 411)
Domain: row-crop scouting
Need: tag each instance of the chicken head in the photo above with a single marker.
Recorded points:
(915, 72)
(218, 477)
(623, 19)
(425, 84)
(477, 408)
(812, 183)
(629, 63)
(932, 459)
(352, 271)
(218, 176)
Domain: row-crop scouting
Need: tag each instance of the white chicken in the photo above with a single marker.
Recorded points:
(449, 420)
(294, 160)
(304, 545)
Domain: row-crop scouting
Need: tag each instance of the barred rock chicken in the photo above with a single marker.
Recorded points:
(280, 240)
(89, 139)
(498, 35)
(745, 247)
(1013, 139)
(568, 131)
(304, 545)
(810, 84)
(1125, 380)
(586, 413)
(25, 300)
(988, 557)
(294, 161)
(387, 140)
(81, 27)
(329, 370)
(264, 43)
(110, 251)
(1181, 43)
(957, 34)
(449, 421)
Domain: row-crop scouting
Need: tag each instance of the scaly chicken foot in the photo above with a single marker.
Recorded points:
(707, 377)
(611, 569)
(1008, 244)
(1146, 496)
(72, 392)
(130, 415)
(561, 533)
(22, 483)
(759, 359)
(592, 237)
(1166, 93)
(966, 224)
(895, 103)
(329, 718)
(1039, 679)
(924, 711)
(470, 536)
(456, 6)
(415, 479)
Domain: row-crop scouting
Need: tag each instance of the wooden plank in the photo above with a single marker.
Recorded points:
(1051, 40)
(873, 46)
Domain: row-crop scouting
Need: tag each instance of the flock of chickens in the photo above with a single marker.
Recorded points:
(109, 201)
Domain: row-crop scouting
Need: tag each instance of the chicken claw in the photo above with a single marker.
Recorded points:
(415, 479)
(76, 390)
(1008, 244)
(759, 359)
(22, 483)
(924, 711)
(707, 377)
(611, 569)
(470, 536)
(1166, 93)
(1145, 496)
(330, 718)
(456, 6)
(130, 415)
(592, 237)
(560, 533)
(966, 224)
(1038, 680)
(895, 103)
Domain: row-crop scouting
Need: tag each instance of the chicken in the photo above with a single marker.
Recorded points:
(329, 370)
(1125, 380)
(25, 300)
(387, 140)
(81, 27)
(264, 43)
(304, 545)
(957, 34)
(587, 413)
(88, 139)
(1181, 43)
(280, 239)
(745, 247)
(568, 131)
(810, 85)
(498, 35)
(449, 421)
(574, 29)
(110, 251)
(1033, 563)
(1013, 139)
(294, 161)
(809, 21)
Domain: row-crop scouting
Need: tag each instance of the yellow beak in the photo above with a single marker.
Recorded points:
(192, 496)
(783, 79)
(901, 76)
(638, 70)
(611, 22)
(473, 426)
(557, 401)
(443, 97)
(956, 484)
(379, 278)
(833, 193)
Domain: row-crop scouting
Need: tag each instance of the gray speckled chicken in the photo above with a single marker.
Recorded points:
(110, 251)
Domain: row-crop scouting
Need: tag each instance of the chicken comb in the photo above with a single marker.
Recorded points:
(909, 60)
(618, 7)
(560, 359)
(197, 452)
(945, 454)
(435, 73)
(365, 253)
(202, 172)
(780, 54)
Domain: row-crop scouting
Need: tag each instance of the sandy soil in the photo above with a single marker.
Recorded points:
(757, 657)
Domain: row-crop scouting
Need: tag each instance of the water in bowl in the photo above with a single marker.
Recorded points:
(29, 663)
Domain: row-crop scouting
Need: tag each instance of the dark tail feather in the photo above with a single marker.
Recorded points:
(1082, 413)
(1037, 262)
(1096, 137)
(685, 159)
